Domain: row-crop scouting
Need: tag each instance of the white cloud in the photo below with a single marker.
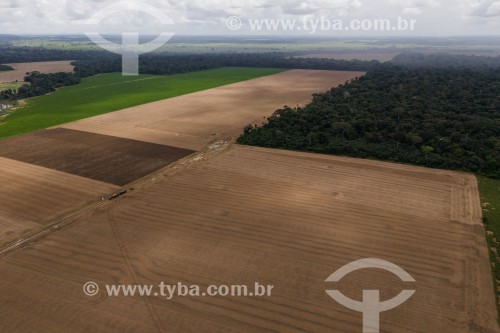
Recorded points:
(304, 7)
(412, 11)
(484, 8)
(414, 7)
(68, 15)
(208, 16)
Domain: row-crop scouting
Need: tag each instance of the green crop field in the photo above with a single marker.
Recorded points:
(490, 201)
(110, 92)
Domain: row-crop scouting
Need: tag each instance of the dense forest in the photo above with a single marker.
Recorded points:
(96, 62)
(166, 64)
(445, 60)
(443, 118)
(13, 54)
(4, 68)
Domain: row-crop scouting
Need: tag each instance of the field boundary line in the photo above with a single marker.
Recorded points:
(60, 222)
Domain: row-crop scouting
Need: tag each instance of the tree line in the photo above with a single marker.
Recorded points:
(89, 63)
(445, 60)
(4, 68)
(167, 64)
(13, 54)
(442, 118)
(92, 62)
(38, 84)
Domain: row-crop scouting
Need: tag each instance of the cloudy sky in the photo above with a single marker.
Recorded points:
(209, 17)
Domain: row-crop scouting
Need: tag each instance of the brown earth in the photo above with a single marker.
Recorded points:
(191, 121)
(100, 157)
(120, 160)
(31, 194)
(20, 69)
(251, 215)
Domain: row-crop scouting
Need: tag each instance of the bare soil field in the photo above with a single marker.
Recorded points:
(30, 194)
(191, 121)
(100, 157)
(20, 69)
(184, 122)
(250, 215)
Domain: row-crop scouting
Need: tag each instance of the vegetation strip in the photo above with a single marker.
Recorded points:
(490, 201)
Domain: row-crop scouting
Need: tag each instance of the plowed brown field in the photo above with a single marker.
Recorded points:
(103, 148)
(29, 195)
(101, 157)
(190, 121)
(257, 215)
(20, 69)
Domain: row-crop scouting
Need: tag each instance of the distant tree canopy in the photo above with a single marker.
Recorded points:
(13, 54)
(4, 68)
(444, 118)
(89, 63)
(444, 60)
(161, 63)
